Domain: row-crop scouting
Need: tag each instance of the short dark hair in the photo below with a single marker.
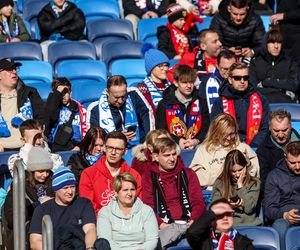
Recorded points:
(293, 148)
(274, 36)
(116, 135)
(116, 81)
(221, 200)
(227, 54)
(61, 81)
(29, 125)
(203, 33)
(90, 138)
(184, 73)
(239, 3)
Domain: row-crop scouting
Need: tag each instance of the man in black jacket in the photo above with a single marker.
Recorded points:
(215, 227)
(17, 104)
(239, 28)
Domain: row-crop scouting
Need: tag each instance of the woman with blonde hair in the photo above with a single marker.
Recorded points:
(222, 137)
(236, 185)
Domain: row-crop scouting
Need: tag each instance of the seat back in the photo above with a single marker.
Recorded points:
(266, 22)
(70, 50)
(147, 29)
(262, 237)
(65, 155)
(181, 245)
(205, 24)
(292, 238)
(112, 51)
(293, 108)
(128, 157)
(4, 171)
(21, 51)
(187, 156)
(95, 9)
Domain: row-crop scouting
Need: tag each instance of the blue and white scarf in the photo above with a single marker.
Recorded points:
(212, 88)
(57, 36)
(156, 96)
(6, 31)
(107, 123)
(64, 116)
(92, 158)
(24, 114)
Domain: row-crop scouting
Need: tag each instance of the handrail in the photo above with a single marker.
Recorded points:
(19, 206)
(47, 232)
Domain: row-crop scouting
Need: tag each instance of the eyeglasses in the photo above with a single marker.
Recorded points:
(239, 78)
(117, 150)
(163, 65)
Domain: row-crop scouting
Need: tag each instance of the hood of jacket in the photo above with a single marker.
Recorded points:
(141, 152)
(114, 207)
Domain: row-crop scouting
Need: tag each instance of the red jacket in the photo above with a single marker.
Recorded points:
(96, 183)
(171, 193)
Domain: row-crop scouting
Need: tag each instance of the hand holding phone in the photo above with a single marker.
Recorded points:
(131, 128)
(234, 199)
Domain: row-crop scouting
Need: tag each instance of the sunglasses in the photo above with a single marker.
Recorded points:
(239, 78)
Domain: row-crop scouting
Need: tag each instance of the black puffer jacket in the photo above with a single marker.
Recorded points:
(70, 24)
(249, 34)
(277, 75)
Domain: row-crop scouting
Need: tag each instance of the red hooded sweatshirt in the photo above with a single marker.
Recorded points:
(96, 183)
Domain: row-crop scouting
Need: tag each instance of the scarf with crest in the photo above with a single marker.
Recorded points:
(9, 35)
(204, 65)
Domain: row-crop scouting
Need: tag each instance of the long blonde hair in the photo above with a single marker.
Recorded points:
(217, 131)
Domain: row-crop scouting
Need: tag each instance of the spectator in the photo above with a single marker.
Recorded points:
(60, 20)
(96, 181)
(175, 38)
(142, 153)
(172, 190)
(70, 215)
(239, 28)
(271, 150)
(91, 149)
(12, 27)
(222, 137)
(32, 135)
(122, 109)
(282, 191)
(18, 103)
(248, 107)
(274, 73)
(214, 229)
(182, 112)
(203, 59)
(67, 117)
(236, 185)
(134, 10)
(137, 226)
(206, 8)
(37, 190)
(209, 88)
(288, 17)
(153, 86)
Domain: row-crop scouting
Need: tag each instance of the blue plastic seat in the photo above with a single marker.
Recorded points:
(21, 51)
(70, 50)
(4, 171)
(43, 89)
(113, 51)
(187, 156)
(266, 22)
(132, 69)
(262, 237)
(182, 245)
(293, 108)
(99, 31)
(205, 24)
(82, 70)
(147, 29)
(128, 157)
(95, 9)
(292, 238)
(87, 91)
(35, 72)
(65, 155)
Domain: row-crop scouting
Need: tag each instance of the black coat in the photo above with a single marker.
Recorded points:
(77, 162)
(70, 24)
(276, 74)
(249, 34)
(169, 98)
(198, 235)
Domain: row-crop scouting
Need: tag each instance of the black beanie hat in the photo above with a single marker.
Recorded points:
(4, 3)
(174, 12)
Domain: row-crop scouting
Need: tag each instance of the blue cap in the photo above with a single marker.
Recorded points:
(62, 177)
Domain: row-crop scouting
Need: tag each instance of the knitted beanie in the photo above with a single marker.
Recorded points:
(154, 57)
(39, 159)
(62, 177)
(174, 12)
(4, 3)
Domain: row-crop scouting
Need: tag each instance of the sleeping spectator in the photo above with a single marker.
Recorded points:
(12, 27)
(67, 117)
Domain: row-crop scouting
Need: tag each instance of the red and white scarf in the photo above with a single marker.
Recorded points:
(179, 40)
(254, 115)
(82, 115)
(225, 242)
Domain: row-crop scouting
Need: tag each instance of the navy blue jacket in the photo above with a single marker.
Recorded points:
(141, 109)
(241, 104)
(282, 191)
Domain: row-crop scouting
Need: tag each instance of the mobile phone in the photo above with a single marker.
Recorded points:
(131, 128)
(238, 47)
(234, 198)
